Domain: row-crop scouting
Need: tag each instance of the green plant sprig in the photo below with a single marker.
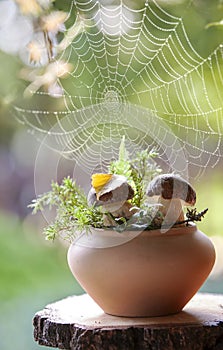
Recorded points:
(72, 210)
(193, 215)
(138, 171)
(142, 171)
(121, 166)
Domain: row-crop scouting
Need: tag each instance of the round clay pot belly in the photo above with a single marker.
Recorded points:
(152, 274)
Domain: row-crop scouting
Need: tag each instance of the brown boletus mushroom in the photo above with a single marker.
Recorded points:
(173, 192)
(113, 197)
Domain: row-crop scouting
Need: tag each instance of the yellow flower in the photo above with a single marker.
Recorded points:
(99, 180)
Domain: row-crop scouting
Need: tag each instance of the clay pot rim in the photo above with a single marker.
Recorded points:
(180, 230)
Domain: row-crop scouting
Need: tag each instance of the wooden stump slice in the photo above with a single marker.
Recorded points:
(77, 322)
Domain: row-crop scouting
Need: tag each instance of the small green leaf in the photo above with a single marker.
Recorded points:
(123, 153)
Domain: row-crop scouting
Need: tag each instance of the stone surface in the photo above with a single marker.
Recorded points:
(77, 322)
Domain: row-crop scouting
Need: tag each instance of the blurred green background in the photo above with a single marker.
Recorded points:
(34, 272)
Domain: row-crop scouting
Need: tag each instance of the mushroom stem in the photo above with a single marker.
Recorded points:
(172, 210)
(118, 210)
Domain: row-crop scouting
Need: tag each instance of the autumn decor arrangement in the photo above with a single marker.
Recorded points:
(133, 249)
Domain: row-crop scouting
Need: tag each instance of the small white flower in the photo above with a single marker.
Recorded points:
(48, 79)
(36, 52)
(54, 22)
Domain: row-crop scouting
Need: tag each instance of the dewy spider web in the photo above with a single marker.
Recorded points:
(135, 73)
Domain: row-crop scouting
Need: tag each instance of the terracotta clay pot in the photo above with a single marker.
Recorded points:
(142, 274)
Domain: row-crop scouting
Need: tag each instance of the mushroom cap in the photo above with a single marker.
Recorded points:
(170, 186)
(115, 190)
(92, 198)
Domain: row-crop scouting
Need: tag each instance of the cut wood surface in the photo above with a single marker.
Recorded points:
(77, 322)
